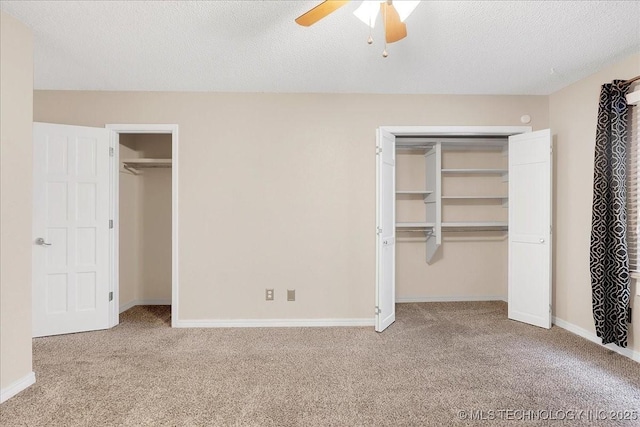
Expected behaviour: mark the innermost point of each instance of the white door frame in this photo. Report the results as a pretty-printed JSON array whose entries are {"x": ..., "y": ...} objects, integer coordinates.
[
  {"x": 117, "y": 129},
  {"x": 446, "y": 131},
  {"x": 456, "y": 130}
]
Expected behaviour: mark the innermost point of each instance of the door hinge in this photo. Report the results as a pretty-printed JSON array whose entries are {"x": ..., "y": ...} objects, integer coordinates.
[
  {"x": 111, "y": 152},
  {"x": 378, "y": 311},
  {"x": 111, "y": 296},
  {"x": 378, "y": 150},
  {"x": 378, "y": 230},
  {"x": 110, "y": 223}
]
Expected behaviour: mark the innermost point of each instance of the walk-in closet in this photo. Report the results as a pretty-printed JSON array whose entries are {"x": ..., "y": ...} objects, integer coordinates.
[{"x": 145, "y": 219}]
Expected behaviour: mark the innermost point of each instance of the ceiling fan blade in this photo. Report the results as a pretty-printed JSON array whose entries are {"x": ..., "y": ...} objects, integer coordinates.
[
  {"x": 320, "y": 11},
  {"x": 394, "y": 28}
]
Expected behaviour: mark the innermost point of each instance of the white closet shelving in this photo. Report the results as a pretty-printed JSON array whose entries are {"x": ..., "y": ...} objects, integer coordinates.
[
  {"x": 475, "y": 171},
  {"x": 432, "y": 226},
  {"x": 478, "y": 200},
  {"x": 433, "y": 202},
  {"x": 412, "y": 193},
  {"x": 423, "y": 192},
  {"x": 504, "y": 173},
  {"x": 477, "y": 224},
  {"x": 476, "y": 197},
  {"x": 433, "y": 197},
  {"x": 134, "y": 165},
  {"x": 415, "y": 224}
]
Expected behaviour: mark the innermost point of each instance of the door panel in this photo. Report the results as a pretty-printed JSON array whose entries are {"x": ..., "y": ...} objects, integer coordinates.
[
  {"x": 71, "y": 217},
  {"x": 386, "y": 230},
  {"x": 530, "y": 194}
]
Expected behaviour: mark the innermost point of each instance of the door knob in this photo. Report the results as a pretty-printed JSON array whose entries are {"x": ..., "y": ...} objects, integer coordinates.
[
  {"x": 541, "y": 240},
  {"x": 40, "y": 241}
]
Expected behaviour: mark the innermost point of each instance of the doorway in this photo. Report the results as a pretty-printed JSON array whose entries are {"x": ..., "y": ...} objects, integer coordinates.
[
  {"x": 76, "y": 223},
  {"x": 144, "y": 220},
  {"x": 145, "y": 208},
  {"x": 528, "y": 201}
]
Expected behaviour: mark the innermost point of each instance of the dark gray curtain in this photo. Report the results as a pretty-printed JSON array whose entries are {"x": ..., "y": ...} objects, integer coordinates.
[{"x": 609, "y": 257}]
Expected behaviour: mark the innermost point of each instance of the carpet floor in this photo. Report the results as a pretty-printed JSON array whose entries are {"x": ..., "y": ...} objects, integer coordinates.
[{"x": 439, "y": 364}]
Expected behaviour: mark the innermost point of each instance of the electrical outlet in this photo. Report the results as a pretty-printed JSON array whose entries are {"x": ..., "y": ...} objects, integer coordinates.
[
  {"x": 269, "y": 295},
  {"x": 291, "y": 294}
]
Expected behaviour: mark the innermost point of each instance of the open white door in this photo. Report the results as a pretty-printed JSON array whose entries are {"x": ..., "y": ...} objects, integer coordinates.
[
  {"x": 70, "y": 229},
  {"x": 385, "y": 230},
  {"x": 530, "y": 196}
]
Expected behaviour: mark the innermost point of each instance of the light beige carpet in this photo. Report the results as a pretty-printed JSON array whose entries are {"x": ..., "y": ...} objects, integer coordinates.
[{"x": 437, "y": 360}]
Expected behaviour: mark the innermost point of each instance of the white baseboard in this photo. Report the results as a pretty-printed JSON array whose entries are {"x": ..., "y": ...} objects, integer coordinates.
[
  {"x": 126, "y": 306},
  {"x": 627, "y": 352},
  {"x": 130, "y": 304},
  {"x": 452, "y": 299},
  {"x": 271, "y": 323},
  {"x": 17, "y": 386}
]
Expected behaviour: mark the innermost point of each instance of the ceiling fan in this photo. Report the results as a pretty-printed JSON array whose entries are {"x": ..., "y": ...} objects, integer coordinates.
[{"x": 393, "y": 15}]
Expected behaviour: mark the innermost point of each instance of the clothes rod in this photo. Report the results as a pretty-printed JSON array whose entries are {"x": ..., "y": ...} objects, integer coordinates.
[
  {"x": 408, "y": 147},
  {"x": 626, "y": 82},
  {"x": 473, "y": 230},
  {"x": 452, "y": 230}
]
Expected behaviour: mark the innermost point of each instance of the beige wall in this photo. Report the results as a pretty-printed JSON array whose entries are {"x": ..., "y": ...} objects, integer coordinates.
[
  {"x": 145, "y": 222},
  {"x": 16, "y": 107},
  {"x": 155, "y": 220},
  {"x": 573, "y": 115},
  {"x": 278, "y": 190},
  {"x": 129, "y": 227},
  {"x": 155, "y": 247}
]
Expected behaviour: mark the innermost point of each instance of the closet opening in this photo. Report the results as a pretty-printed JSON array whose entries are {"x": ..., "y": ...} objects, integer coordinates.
[
  {"x": 464, "y": 214},
  {"x": 145, "y": 211}
]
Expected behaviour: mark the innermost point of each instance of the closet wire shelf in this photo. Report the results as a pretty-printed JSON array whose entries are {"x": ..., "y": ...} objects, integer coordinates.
[
  {"x": 408, "y": 227},
  {"x": 134, "y": 165}
]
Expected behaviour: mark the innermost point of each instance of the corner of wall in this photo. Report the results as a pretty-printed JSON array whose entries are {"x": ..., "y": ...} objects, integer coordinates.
[
  {"x": 16, "y": 116},
  {"x": 572, "y": 118}
]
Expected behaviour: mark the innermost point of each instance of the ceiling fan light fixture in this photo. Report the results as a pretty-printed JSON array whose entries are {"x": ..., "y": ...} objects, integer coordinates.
[
  {"x": 405, "y": 7},
  {"x": 368, "y": 11},
  {"x": 393, "y": 12}
]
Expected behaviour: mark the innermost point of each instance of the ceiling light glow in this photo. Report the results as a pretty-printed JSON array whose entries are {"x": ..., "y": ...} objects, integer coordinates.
[
  {"x": 405, "y": 7},
  {"x": 368, "y": 11}
]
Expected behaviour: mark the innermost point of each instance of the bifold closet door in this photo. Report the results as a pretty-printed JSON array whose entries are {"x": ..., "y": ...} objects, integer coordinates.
[
  {"x": 530, "y": 195},
  {"x": 70, "y": 229},
  {"x": 385, "y": 313}
]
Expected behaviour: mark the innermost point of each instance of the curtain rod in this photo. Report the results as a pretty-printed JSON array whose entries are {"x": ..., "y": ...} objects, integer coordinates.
[{"x": 631, "y": 80}]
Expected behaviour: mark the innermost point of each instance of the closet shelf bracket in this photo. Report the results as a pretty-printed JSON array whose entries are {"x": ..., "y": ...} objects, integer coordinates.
[{"x": 130, "y": 169}]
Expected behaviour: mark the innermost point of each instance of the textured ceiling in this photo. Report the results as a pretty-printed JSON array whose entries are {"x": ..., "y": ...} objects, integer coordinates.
[{"x": 453, "y": 47}]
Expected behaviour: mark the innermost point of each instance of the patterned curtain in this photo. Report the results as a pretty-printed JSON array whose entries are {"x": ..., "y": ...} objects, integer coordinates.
[{"x": 609, "y": 257}]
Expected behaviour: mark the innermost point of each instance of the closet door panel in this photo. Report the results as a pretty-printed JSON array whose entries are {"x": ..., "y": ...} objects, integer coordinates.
[
  {"x": 530, "y": 195},
  {"x": 385, "y": 230},
  {"x": 71, "y": 190}
]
